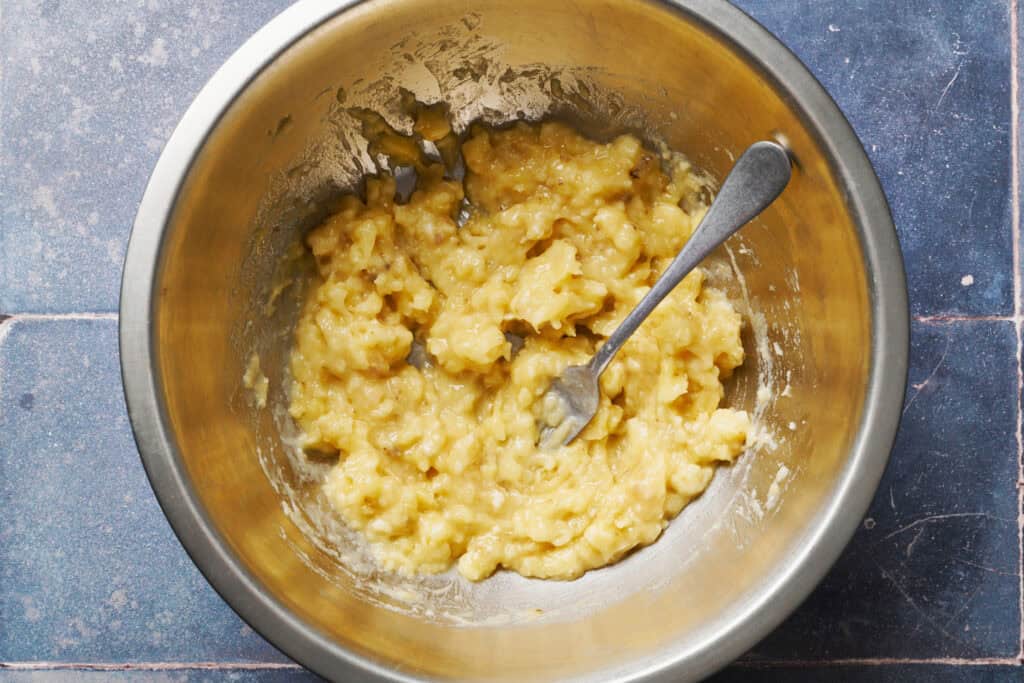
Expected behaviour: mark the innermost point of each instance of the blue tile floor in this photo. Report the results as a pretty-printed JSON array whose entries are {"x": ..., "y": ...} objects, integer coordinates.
[{"x": 93, "y": 584}]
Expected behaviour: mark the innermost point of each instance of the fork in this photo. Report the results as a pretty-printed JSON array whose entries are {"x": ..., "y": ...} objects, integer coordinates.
[{"x": 757, "y": 178}]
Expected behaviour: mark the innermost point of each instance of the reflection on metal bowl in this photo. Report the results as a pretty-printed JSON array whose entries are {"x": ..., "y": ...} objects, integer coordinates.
[{"x": 208, "y": 284}]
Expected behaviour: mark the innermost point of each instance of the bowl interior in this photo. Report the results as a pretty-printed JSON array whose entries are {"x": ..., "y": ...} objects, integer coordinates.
[{"x": 288, "y": 143}]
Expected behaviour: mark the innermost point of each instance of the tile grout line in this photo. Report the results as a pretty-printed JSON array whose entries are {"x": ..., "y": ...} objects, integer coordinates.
[
  {"x": 5, "y": 329},
  {"x": 15, "y": 317},
  {"x": 876, "y": 661},
  {"x": 148, "y": 666},
  {"x": 946, "y": 318},
  {"x": 291, "y": 666},
  {"x": 1015, "y": 190}
]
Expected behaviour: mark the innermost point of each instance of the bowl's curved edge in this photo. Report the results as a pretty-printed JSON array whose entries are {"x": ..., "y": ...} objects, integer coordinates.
[
  {"x": 890, "y": 336},
  {"x": 154, "y": 439},
  {"x": 297, "y": 639}
]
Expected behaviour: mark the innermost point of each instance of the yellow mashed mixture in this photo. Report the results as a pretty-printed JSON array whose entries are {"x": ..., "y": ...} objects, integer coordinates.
[{"x": 438, "y": 464}]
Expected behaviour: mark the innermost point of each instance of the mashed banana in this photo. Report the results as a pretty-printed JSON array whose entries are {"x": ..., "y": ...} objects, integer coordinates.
[{"x": 438, "y": 464}]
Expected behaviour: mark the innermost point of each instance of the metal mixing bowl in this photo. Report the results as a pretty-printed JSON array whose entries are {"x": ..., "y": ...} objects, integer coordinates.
[{"x": 269, "y": 140}]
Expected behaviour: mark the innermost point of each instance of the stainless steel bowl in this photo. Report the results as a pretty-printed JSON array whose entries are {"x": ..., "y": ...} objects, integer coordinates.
[{"x": 269, "y": 139}]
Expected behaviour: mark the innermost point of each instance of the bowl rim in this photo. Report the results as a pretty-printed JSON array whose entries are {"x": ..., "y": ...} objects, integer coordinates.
[{"x": 825, "y": 540}]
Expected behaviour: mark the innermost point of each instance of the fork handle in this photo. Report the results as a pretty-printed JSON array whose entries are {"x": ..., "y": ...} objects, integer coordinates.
[{"x": 757, "y": 178}]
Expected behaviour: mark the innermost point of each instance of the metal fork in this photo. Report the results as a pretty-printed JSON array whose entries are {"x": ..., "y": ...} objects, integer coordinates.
[{"x": 757, "y": 178}]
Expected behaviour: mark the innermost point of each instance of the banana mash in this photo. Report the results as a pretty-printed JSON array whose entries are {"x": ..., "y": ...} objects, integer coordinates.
[{"x": 424, "y": 348}]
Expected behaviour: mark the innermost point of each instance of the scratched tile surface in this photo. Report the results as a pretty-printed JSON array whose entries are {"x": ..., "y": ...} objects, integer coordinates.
[
  {"x": 90, "y": 571},
  {"x": 933, "y": 570},
  {"x": 89, "y": 568},
  {"x": 926, "y": 85}
]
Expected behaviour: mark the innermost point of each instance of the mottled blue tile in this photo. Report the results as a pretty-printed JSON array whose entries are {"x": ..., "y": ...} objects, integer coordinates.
[
  {"x": 194, "y": 675},
  {"x": 888, "y": 673},
  {"x": 89, "y": 568},
  {"x": 1019, "y": 189},
  {"x": 933, "y": 569},
  {"x": 89, "y": 95},
  {"x": 926, "y": 85}
]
